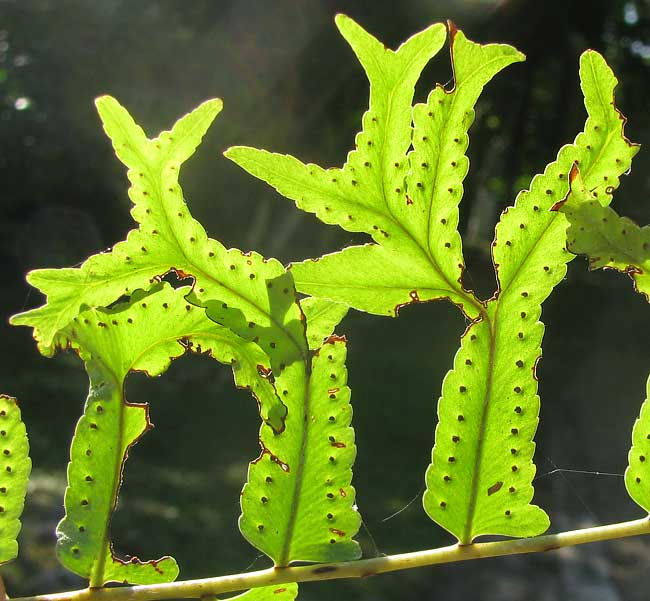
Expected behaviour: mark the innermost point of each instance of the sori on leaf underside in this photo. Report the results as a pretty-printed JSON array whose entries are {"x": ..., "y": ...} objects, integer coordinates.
[{"x": 401, "y": 185}]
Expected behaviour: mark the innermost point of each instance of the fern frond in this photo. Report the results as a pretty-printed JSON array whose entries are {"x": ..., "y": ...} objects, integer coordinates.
[
  {"x": 15, "y": 468},
  {"x": 480, "y": 478},
  {"x": 407, "y": 201}
]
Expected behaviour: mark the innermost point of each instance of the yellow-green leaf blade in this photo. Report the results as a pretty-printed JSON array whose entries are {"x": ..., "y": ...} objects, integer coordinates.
[
  {"x": 480, "y": 478},
  {"x": 298, "y": 503},
  {"x": 169, "y": 239},
  {"x": 15, "y": 468},
  {"x": 607, "y": 239},
  {"x": 145, "y": 334},
  {"x": 637, "y": 475},
  {"x": 374, "y": 279}
]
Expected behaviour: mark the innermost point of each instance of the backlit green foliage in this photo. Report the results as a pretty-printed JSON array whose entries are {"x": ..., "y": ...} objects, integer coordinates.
[
  {"x": 15, "y": 468},
  {"x": 401, "y": 185}
]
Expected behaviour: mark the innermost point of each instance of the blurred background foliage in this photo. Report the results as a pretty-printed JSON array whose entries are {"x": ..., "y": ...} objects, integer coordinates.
[{"x": 291, "y": 84}]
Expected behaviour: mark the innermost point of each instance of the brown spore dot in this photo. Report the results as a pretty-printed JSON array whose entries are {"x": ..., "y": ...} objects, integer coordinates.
[
  {"x": 331, "y": 459},
  {"x": 443, "y": 504},
  {"x": 642, "y": 458},
  {"x": 512, "y": 489},
  {"x": 331, "y": 418},
  {"x": 513, "y": 451},
  {"x": 514, "y": 468},
  {"x": 451, "y": 459},
  {"x": 517, "y": 389},
  {"x": 332, "y": 541},
  {"x": 260, "y": 527},
  {"x": 546, "y": 268},
  {"x": 517, "y": 409},
  {"x": 472, "y": 337},
  {"x": 330, "y": 495},
  {"x": 535, "y": 208},
  {"x": 523, "y": 314},
  {"x": 514, "y": 431},
  {"x": 638, "y": 480},
  {"x": 251, "y": 276},
  {"x": 82, "y": 529},
  {"x": 507, "y": 512},
  {"x": 84, "y": 502},
  {"x": 3, "y": 490},
  {"x": 468, "y": 361},
  {"x": 264, "y": 499},
  {"x": 520, "y": 334},
  {"x": 129, "y": 320},
  {"x": 461, "y": 418},
  {"x": 524, "y": 294},
  {"x": 268, "y": 479},
  {"x": 522, "y": 226},
  {"x": 519, "y": 363},
  {"x": 330, "y": 516},
  {"x": 93, "y": 426},
  {"x": 443, "y": 221},
  {"x": 88, "y": 452},
  {"x": 455, "y": 438},
  {"x": 89, "y": 478},
  {"x": 462, "y": 389}
]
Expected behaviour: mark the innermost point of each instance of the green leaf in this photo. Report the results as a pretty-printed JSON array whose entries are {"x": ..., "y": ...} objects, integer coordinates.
[
  {"x": 240, "y": 288},
  {"x": 278, "y": 592},
  {"x": 608, "y": 240},
  {"x": 637, "y": 475},
  {"x": 298, "y": 503},
  {"x": 142, "y": 335},
  {"x": 406, "y": 200},
  {"x": 480, "y": 478},
  {"x": 321, "y": 316},
  {"x": 14, "y": 474}
]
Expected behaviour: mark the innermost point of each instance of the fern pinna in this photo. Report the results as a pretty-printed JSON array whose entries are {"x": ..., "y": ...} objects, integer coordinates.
[{"x": 275, "y": 326}]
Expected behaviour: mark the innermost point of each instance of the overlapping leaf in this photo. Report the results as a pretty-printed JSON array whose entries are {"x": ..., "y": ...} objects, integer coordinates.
[
  {"x": 15, "y": 468},
  {"x": 637, "y": 475},
  {"x": 609, "y": 240},
  {"x": 480, "y": 479},
  {"x": 143, "y": 335},
  {"x": 407, "y": 200}
]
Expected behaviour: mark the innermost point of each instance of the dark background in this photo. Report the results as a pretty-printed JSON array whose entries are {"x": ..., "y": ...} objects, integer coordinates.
[{"x": 290, "y": 83}]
